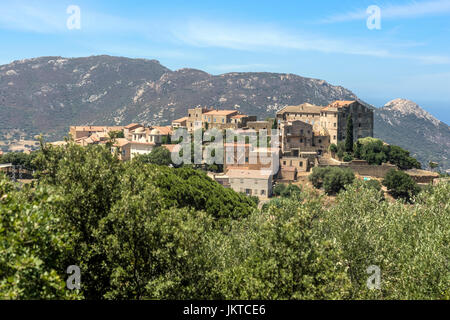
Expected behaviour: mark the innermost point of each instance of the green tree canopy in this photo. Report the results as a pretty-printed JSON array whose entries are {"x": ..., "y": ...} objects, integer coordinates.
[
  {"x": 400, "y": 185},
  {"x": 349, "y": 134},
  {"x": 332, "y": 179}
]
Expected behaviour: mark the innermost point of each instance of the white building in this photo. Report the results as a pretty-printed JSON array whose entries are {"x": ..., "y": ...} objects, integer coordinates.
[{"x": 251, "y": 182}]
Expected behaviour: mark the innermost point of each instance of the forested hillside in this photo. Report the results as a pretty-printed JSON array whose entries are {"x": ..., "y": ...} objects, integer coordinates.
[{"x": 142, "y": 231}]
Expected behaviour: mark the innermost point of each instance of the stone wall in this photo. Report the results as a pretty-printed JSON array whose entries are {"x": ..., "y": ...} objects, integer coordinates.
[
  {"x": 362, "y": 168},
  {"x": 377, "y": 171}
]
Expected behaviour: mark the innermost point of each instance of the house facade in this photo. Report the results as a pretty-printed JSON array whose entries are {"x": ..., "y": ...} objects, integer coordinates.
[{"x": 251, "y": 182}]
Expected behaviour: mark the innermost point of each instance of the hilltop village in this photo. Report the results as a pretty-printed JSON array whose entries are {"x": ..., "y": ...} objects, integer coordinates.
[{"x": 308, "y": 137}]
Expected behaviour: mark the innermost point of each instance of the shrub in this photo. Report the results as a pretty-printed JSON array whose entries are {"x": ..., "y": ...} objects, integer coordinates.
[
  {"x": 400, "y": 185},
  {"x": 347, "y": 157},
  {"x": 159, "y": 155},
  {"x": 409, "y": 243},
  {"x": 375, "y": 184},
  {"x": 401, "y": 158},
  {"x": 349, "y": 134},
  {"x": 291, "y": 190},
  {"x": 286, "y": 191},
  {"x": 333, "y": 148},
  {"x": 332, "y": 179},
  {"x": 374, "y": 151},
  {"x": 278, "y": 189}
]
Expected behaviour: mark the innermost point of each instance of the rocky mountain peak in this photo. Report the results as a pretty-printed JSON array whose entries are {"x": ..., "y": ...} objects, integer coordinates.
[{"x": 407, "y": 107}]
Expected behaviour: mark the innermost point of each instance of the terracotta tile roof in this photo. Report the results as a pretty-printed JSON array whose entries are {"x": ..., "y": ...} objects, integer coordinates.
[
  {"x": 220, "y": 112},
  {"x": 305, "y": 108},
  {"x": 342, "y": 103},
  {"x": 181, "y": 119},
  {"x": 96, "y": 128},
  {"x": 140, "y": 130},
  {"x": 164, "y": 130},
  {"x": 133, "y": 126},
  {"x": 338, "y": 104},
  {"x": 252, "y": 174},
  {"x": 239, "y": 116},
  {"x": 120, "y": 142}
]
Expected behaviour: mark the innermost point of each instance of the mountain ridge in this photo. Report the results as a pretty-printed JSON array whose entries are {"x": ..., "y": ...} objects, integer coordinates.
[{"x": 48, "y": 94}]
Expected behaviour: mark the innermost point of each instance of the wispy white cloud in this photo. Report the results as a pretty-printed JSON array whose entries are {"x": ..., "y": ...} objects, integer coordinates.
[
  {"x": 203, "y": 33},
  {"x": 263, "y": 37},
  {"x": 49, "y": 18},
  {"x": 22, "y": 16},
  {"x": 409, "y": 10},
  {"x": 259, "y": 37}
]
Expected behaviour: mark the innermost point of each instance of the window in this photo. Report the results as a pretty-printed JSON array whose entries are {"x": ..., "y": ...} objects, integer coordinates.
[
  {"x": 301, "y": 163},
  {"x": 223, "y": 120},
  {"x": 214, "y": 119},
  {"x": 263, "y": 192},
  {"x": 284, "y": 163},
  {"x": 334, "y": 137},
  {"x": 334, "y": 124},
  {"x": 335, "y": 115},
  {"x": 320, "y": 140},
  {"x": 359, "y": 125}
]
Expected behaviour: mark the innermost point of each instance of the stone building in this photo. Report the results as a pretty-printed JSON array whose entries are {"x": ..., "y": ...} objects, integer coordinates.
[
  {"x": 78, "y": 132},
  {"x": 180, "y": 123},
  {"x": 260, "y": 125},
  {"x": 334, "y": 117},
  {"x": 251, "y": 182},
  {"x": 200, "y": 117},
  {"x": 296, "y": 136},
  {"x": 331, "y": 120}
]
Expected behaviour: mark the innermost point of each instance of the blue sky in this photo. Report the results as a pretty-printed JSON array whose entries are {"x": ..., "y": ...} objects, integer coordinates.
[{"x": 409, "y": 57}]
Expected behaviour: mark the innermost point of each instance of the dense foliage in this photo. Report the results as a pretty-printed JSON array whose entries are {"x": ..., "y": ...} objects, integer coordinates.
[
  {"x": 331, "y": 179},
  {"x": 284, "y": 190},
  {"x": 159, "y": 155},
  {"x": 374, "y": 151},
  {"x": 349, "y": 134},
  {"x": 19, "y": 159},
  {"x": 143, "y": 231},
  {"x": 400, "y": 185}
]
